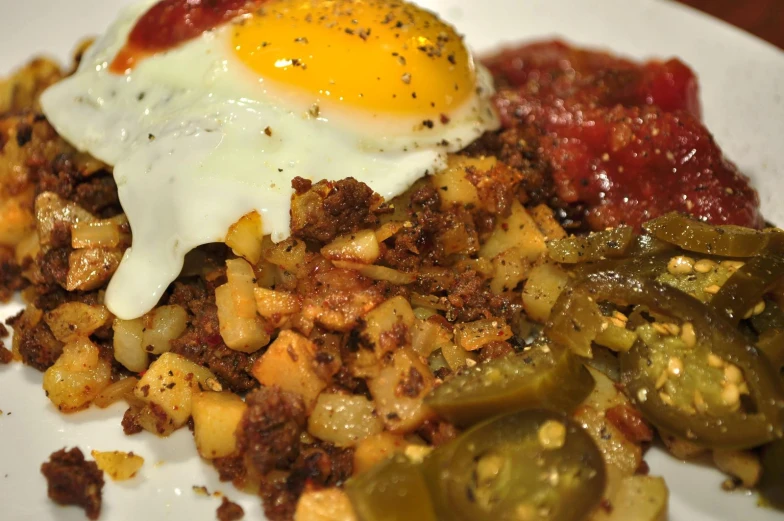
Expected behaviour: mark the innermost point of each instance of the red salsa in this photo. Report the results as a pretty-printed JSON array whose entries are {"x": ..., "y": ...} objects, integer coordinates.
[
  {"x": 625, "y": 140},
  {"x": 169, "y": 23}
]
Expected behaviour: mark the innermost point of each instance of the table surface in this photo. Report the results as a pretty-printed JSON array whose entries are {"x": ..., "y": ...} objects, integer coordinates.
[{"x": 763, "y": 18}]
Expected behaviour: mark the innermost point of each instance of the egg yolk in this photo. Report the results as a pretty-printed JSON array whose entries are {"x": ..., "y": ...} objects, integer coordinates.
[{"x": 375, "y": 55}]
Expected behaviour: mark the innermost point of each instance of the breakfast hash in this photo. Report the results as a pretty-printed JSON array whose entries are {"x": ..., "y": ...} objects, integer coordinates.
[{"x": 383, "y": 281}]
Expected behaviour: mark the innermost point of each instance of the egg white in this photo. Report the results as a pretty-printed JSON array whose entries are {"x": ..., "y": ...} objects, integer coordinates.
[{"x": 197, "y": 142}]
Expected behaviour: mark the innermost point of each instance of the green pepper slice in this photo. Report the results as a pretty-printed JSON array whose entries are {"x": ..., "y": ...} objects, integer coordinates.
[
  {"x": 713, "y": 334},
  {"x": 771, "y": 484},
  {"x": 749, "y": 284},
  {"x": 394, "y": 490},
  {"x": 541, "y": 377},
  {"x": 700, "y": 237},
  {"x": 533, "y": 464},
  {"x": 595, "y": 246}
]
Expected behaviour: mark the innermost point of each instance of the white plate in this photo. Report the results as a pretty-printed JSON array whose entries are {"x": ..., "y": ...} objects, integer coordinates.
[{"x": 742, "y": 83}]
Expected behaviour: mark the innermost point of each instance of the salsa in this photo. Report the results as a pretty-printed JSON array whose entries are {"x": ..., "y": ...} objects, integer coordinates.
[
  {"x": 623, "y": 139},
  {"x": 169, "y": 23}
]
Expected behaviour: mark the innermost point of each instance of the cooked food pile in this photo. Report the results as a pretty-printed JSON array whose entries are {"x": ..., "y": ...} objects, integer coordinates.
[
  {"x": 297, "y": 229},
  {"x": 209, "y": 129}
]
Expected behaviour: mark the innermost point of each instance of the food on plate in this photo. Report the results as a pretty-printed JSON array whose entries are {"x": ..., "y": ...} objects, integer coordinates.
[
  {"x": 211, "y": 128},
  {"x": 72, "y": 480},
  {"x": 623, "y": 141},
  {"x": 376, "y": 278},
  {"x": 120, "y": 466},
  {"x": 229, "y": 511}
]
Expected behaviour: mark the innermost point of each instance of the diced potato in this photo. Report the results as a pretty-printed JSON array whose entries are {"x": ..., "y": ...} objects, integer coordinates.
[
  {"x": 455, "y": 356},
  {"x": 288, "y": 255},
  {"x": 516, "y": 230},
  {"x": 742, "y": 464},
  {"x": 682, "y": 449},
  {"x": 361, "y": 247},
  {"x": 387, "y": 230},
  {"x": 245, "y": 237},
  {"x": 115, "y": 392},
  {"x": 167, "y": 388},
  {"x": 74, "y": 319},
  {"x": 128, "y": 347},
  {"x": 77, "y": 377},
  {"x": 429, "y": 335},
  {"x": 398, "y": 391},
  {"x": 509, "y": 269},
  {"x": 103, "y": 233},
  {"x": 215, "y": 420},
  {"x": 288, "y": 364},
  {"x": 91, "y": 268},
  {"x": 329, "y": 504},
  {"x": 460, "y": 238},
  {"x": 375, "y": 272},
  {"x": 475, "y": 335},
  {"x": 52, "y": 211},
  {"x": 240, "y": 326},
  {"x": 376, "y": 448},
  {"x": 343, "y": 419},
  {"x": 618, "y": 451},
  {"x": 429, "y": 302},
  {"x": 453, "y": 186},
  {"x": 544, "y": 286},
  {"x": 162, "y": 325},
  {"x": 638, "y": 498},
  {"x": 389, "y": 324},
  {"x": 272, "y": 304},
  {"x": 544, "y": 219},
  {"x": 119, "y": 465}
]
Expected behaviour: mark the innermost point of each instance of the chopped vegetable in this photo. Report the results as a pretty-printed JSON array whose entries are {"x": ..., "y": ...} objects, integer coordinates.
[{"x": 541, "y": 377}]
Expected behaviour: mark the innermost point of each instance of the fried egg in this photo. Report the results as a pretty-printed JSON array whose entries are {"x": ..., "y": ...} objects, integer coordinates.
[{"x": 201, "y": 134}]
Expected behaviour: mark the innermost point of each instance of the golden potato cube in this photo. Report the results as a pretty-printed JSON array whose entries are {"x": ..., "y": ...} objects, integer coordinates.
[
  {"x": 742, "y": 464},
  {"x": 475, "y": 335},
  {"x": 453, "y": 186},
  {"x": 361, "y": 246},
  {"x": 245, "y": 237},
  {"x": 119, "y": 465},
  {"x": 103, "y": 233},
  {"x": 329, "y": 504},
  {"x": 637, "y": 498},
  {"x": 128, "y": 347},
  {"x": 288, "y": 364},
  {"x": 287, "y": 255},
  {"x": 542, "y": 289},
  {"x": 343, "y": 419},
  {"x": 162, "y": 325},
  {"x": 398, "y": 391},
  {"x": 240, "y": 326},
  {"x": 387, "y": 323},
  {"x": 544, "y": 218},
  {"x": 509, "y": 269},
  {"x": 72, "y": 320},
  {"x": 271, "y": 303},
  {"x": 518, "y": 229},
  {"x": 91, "y": 268},
  {"x": 215, "y": 420},
  {"x": 77, "y": 377},
  {"x": 372, "y": 450},
  {"x": 168, "y": 386}
]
